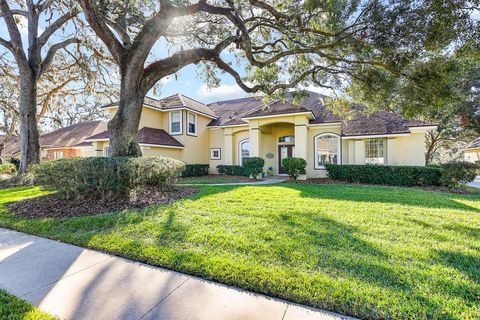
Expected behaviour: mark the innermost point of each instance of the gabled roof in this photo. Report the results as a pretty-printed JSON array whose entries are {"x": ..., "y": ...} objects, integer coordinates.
[
  {"x": 176, "y": 101},
  {"x": 231, "y": 112},
  {"x": 474, "y": 144},
  {"x": 146, "y": 135},
  {"x": 72, "y": 135},
  {"x": 66, "y": 137}
]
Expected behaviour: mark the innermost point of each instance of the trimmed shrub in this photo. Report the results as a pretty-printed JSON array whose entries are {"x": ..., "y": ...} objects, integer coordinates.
[
  {"x": 8, "y": 168},
  {"x": 253, "y": 166},
  {"x": 195, "y": 170},
  {"x": 294, "y": 167},
  {"x": 456, "y": 173},
  {"x": 386, "y": 175},
  {"x": 231, "y": 170},
  {"x": 101, "y": 177}
]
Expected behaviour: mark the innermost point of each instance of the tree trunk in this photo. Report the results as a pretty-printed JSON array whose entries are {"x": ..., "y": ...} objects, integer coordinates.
[
  {"x": 123, "y": 127},
  {"x": 30, "y": 147}
]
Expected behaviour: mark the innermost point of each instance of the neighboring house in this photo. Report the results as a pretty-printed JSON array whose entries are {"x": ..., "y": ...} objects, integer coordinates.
[
  {"x": 227, "y": 132},
  {"x": 472, "y": 152},
  {"x": 66, "y": 142}
]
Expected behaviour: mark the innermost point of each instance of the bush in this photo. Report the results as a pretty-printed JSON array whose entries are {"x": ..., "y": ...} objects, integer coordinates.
[
  {"x": 101, "y": 177},
  {"x": 386, "y": 175},
  {"x": 458, "y": 172},
  {"x": 231, "y": 170},
  {"x": 15, "y": 162},
  {"x": 294, "y": 167},
  {"x": 195, "y": 170},
  {"x": 253, "y": 166},
  {"x": 8, "y": 168}
]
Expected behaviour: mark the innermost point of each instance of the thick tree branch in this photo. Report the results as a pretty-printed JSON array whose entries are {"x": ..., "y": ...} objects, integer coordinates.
[
  {"x": 95, "y": 19},
  {"x": 50, "y": 30},
  {"x": 15, "y": 37},
  {"x": 53, "y": 50}
]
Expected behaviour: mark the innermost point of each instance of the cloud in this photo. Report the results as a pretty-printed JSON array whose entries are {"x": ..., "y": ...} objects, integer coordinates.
[{"x": 222, "y": 92}]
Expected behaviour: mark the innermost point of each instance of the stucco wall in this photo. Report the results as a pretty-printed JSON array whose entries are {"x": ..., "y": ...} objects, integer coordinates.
[{"x": 472, "y": 155}]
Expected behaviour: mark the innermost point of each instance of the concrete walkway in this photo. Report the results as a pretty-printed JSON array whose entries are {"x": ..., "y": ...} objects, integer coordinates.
[{"x": 76, "y": 283}]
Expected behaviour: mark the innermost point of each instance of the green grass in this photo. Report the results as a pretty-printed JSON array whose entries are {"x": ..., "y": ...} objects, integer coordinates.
[
  {"x": 12, "y": 308},
  {"x": 211, "y": 179},
  {"x": 370, "y": 252}
]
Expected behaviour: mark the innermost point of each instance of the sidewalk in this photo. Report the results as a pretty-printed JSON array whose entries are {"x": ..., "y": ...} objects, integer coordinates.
[{"x": 76, "y": 283}]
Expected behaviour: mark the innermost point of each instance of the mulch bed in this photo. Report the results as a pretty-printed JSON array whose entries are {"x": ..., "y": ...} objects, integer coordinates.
[
  {"x": 53, "y": 206},
  {"x": 215, "y": 178},
  {"x": 426, "y": 188}
]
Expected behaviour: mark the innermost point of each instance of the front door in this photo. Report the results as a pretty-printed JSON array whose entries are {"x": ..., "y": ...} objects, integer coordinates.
[{"x": 284, "y": 151}]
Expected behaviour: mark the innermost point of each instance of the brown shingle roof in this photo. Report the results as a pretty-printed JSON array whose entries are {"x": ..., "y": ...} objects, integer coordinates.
[
  {"x": 147, "y": 135},
  {"x": 176, "y": 101},
  {"x": 378, "y": 124},
  {"x": 67, "y": 137},
  {"x": 72, "y": 135},
  {"x": 232, "y": 112},
  {"x": 11, "y": 147}
]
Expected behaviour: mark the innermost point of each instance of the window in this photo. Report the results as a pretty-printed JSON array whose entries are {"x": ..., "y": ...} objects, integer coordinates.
[
  {"x": 327, "y": 150},
  {"x": 243, "y": 151},
  {"x": 215, "y": 154},
  {"x": 375, "y": 151},
  {"x": 286, "y": 139},
  {"x": 107, "y": 151},
  {"x": 58, "y": 154},
  {"x": 192, "y": 123},
  {"x": 176, "y": 122}
]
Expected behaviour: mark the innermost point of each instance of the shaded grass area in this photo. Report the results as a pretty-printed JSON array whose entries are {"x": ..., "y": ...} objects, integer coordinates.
[
  {"x": 370, "y": 252},
  {"x": 12, "y": 308},
  {"x": 212, "y": 179}
]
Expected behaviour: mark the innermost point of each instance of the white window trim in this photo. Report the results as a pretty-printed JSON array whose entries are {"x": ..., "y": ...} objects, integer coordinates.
[
  {"x": 188, "y": 124},
  {"x": 170, "y": 115},
  {"x": 59, "y": 153},
  {"x": 384, "y": 144},
  {"x": 315, "y": 151},
  {"x": 240, "y": 158},
  {"x": 212, "y": 157}
]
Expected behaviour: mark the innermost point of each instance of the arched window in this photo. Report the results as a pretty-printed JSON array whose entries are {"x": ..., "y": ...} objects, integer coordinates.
[
  {"x": 243, "y": 150},
  {"x": 327, "y": 150}
]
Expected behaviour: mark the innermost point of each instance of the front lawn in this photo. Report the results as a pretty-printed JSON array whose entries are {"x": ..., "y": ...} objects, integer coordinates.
[
  {"x": 214, "y": 179},
  {"x": 12, "y": 308},
  {"x": 370, "y": 252}
]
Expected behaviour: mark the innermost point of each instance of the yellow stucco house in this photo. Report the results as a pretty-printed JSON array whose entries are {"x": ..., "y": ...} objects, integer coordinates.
[
  {"x": 472, "y": 152},
  {"x": 227, "y": 132}
]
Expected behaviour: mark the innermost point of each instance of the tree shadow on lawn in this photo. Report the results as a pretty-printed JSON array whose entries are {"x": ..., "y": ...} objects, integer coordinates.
[
  {"x": 336, "y": 248},
  {"x": 385, "y": 194}
]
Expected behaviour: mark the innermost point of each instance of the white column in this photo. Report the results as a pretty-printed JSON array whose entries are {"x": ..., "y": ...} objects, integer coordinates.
[
  {"x": 255, "y": 139},
  {"x": 391, "y": 151},
  {"x": 228, "y": 146},
  {"x": 359, "y": 152},
  {"x": 351, "y": 152},
  {"x": 301, "y": 144}
]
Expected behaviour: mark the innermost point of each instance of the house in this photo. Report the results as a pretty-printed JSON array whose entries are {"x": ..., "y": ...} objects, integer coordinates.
[
  {"x": 67, "y": 142},
  {"x": 227, "y": 132},
  {"x": 472, "y": 152}
]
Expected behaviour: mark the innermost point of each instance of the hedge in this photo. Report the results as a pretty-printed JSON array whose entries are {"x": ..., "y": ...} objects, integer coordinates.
[
  {"x": 195, "y": 170},
  {"x": 231, "y": 170},
  {"x": 103, "y": 176},
  {"x": 456, "y": 173},
  {"x": 8, "y": 168},
  {"x": 386, "y": 175}
]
